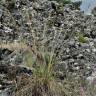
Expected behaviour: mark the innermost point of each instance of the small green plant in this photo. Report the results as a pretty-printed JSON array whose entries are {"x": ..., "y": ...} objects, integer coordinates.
[
  {"x": 64, "y": 1},
  {"x": 81, "y": 38}
]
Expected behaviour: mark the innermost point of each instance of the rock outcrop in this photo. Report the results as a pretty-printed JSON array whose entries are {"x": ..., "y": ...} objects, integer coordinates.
[{"x": 65, "y": 29}]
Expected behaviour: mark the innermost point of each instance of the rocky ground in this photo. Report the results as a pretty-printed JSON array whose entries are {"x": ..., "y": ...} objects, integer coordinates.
[{"x": 62, "y": 28}]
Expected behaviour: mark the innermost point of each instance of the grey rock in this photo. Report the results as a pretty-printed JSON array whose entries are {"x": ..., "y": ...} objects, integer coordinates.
[
  {"x": 1, "y": 13},
  {"x": 55, "y": 28}
]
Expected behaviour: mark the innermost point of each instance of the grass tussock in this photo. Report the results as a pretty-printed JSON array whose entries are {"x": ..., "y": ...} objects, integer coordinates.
[{"x": 43, "y": 81}]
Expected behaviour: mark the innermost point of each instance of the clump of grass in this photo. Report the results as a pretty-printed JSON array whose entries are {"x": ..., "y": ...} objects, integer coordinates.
[
  {"x": 43, "y": 75},
  {"x": 43, "y": 81}
]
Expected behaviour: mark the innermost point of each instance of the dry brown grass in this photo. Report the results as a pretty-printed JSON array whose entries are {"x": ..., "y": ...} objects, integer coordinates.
[
  {"x": 39, "y": 88},
  {"x": 14, "y": 46}
]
